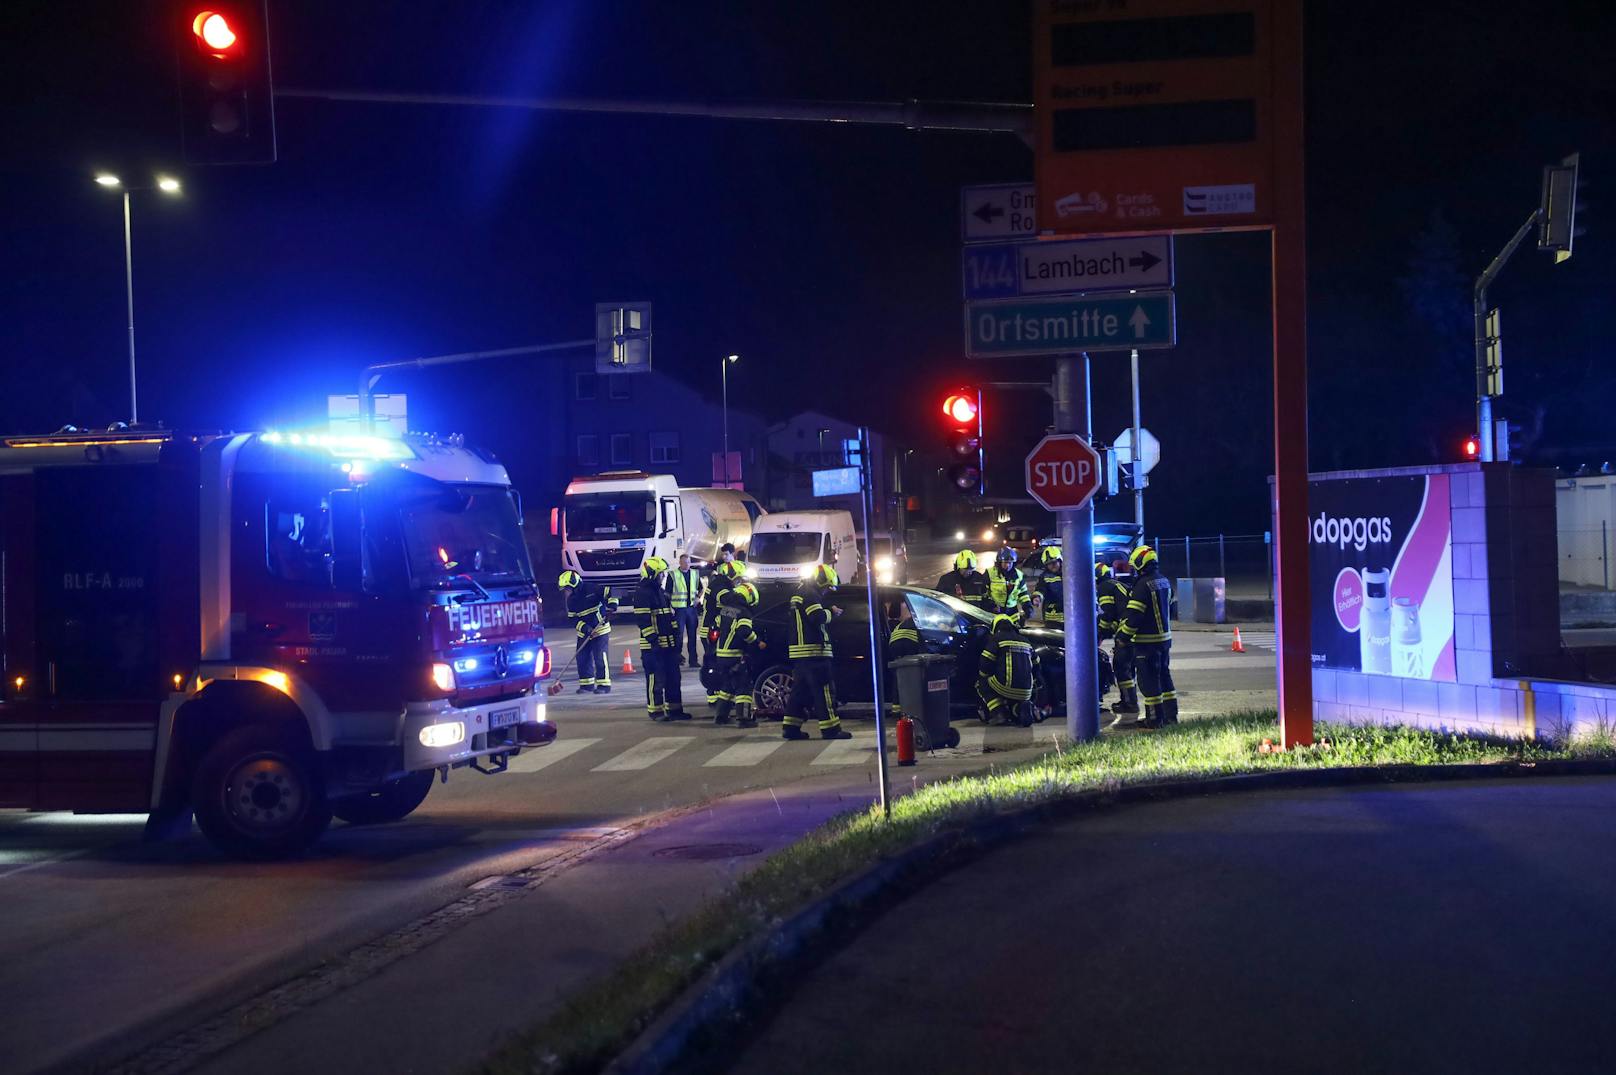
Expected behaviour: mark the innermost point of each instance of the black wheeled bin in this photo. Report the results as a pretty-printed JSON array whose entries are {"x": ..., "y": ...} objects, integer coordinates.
[{"x": 923, "y": 695}]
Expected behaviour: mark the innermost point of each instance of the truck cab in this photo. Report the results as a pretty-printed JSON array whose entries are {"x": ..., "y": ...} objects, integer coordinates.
[
  {"x": 265, "y": 630},
  {"x": 610, "y": 523}
]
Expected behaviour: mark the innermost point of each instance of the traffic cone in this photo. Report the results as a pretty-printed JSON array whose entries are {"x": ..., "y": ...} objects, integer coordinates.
[
  {"x": 628, "y": 664},
  {"x": 1238, "y": 647}
]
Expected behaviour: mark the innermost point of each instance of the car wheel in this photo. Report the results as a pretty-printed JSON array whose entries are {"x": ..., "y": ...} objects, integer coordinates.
[
  {"x": 393, "y": 801},
  {"x": 953, "y": 739},
  {"x": 257, "y": 793},
  {"x": 772, "y": 691}
]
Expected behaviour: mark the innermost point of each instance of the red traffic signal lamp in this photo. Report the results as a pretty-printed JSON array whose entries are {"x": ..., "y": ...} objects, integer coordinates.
[
  {"x": 1472, "y": 447},
  {"x": 963, "y": 409},
  {"x": 227, "y": 98}
]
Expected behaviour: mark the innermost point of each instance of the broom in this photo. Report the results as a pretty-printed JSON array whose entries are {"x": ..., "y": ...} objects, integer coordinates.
[{"x": 556, "y": 686}]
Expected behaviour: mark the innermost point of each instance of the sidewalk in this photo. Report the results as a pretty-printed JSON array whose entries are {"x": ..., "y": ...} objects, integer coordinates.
[{"x": 1401, "y": 928}]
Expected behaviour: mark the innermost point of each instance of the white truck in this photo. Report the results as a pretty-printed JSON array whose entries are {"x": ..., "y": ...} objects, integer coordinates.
[{"x": 609, "y": 523}]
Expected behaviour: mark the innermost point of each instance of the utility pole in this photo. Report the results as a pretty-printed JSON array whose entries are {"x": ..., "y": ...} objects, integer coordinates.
[
  {"x": 1136, "y": 470},
  {"x": 1072, "y": 415}
]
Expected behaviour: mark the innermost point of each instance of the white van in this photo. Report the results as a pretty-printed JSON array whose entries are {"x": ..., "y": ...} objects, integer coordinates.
[
  {"x": 788, "y": 545},
  {"x": 609, "y": 523}
]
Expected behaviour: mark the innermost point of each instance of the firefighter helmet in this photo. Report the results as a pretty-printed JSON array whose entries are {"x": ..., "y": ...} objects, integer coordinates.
[
  {"x": 825, "y": 576},
  {"x": 1101, "y": 570},
  {"x": 731, "y": 569},
  {"x": 654, "y": 566},
  {"x": 569, "y": 579},
  {"x": 1002, "y": 622},
  {"x": 965, "y": 561},
  {"x": 1049, "y": 554},
  {"x": 1007, "y": 555},
  {"x": 747, "y": 593},
  {"x": 1141, "y": 557}
]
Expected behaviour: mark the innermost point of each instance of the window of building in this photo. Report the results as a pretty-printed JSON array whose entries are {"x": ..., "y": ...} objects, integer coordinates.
[
  {"x": 584, "y": 386},
  {"x": 622, "y": 449},
  {"x": 664, "y": 447},
  {"x": 617, "y": 386},
  {"x": 588, "y": 450}
]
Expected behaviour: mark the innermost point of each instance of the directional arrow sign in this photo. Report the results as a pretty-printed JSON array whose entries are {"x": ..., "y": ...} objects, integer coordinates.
[
  {"x": 1061, "y": 325},
  {"x": 997, "y": 212},
  {"x": 1044, "y": 268}
]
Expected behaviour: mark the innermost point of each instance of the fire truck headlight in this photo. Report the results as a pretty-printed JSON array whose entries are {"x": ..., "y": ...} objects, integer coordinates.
[
  {"x": 443, "y": 677},
  {"x": 448, "y": 734}
]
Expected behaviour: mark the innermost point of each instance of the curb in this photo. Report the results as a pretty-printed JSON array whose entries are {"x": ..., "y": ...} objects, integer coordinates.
[{"x": 720, "y": 1001}]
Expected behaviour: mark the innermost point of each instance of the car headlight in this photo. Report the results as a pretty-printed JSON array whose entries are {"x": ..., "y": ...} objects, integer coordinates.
[
  {"x": 987, "y": 535},
  {"x": 806, "y": 571},
  {"x": 883, "y": 563},
  {"x": 959, "y": 535}
]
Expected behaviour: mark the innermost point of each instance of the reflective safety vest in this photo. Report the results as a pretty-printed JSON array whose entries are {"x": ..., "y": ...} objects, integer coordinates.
[
  {"x": 1007, "y": 590},
  {"x": 684, "y": 589},
  {"x": 810, "y": 626},
  {"x": 1053, "y": 589}
]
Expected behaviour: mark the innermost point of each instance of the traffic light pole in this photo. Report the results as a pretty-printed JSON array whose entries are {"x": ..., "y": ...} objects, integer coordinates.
[
  {"x": 1488, "y": 383},
  {"x": 1077, "y": 540},
  {"x": 1136, "y": 471},
  {"x": 373, "y": 373}
]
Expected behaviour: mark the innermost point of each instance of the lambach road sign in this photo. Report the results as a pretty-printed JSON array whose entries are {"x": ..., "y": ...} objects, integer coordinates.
[
  {"x": 1066, "y": 323},
  {"x": 1004, "y": 270},
  {"x": 1063, "y": 472}
]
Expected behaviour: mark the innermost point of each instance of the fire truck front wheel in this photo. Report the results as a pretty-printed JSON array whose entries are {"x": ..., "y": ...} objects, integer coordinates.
[
  {"x": 391, "y": 802},
  {"x": 257, "y": 793}
]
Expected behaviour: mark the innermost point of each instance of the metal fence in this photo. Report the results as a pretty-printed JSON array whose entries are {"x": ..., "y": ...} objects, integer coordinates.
[
  {"x": 1244, "y": 561},
  {"x": 1585, "y": 556}
]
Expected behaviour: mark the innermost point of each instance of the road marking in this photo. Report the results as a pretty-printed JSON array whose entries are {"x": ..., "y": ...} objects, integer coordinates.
[
  {"x": 744, "y": 754},
  {"x": 1231, "y": 662},
  {"x": 854, "y": 751},
  {"x": 531, "y": 761},
  {"x": 646, "y": 754}
]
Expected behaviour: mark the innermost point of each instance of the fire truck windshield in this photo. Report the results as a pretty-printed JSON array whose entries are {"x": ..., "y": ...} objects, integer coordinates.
[
  {"x": 602, "y": 516},
  {"x": 463, "y": 530}
]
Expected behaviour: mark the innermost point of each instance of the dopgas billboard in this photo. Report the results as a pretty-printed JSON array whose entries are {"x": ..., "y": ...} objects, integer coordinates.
[{"x": 1380, "y": 559}]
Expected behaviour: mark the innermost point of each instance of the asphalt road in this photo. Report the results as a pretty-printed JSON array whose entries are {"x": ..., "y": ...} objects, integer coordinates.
[
  {"x": 1457, "y": 927},
  {"x": 106, "y": 939}
]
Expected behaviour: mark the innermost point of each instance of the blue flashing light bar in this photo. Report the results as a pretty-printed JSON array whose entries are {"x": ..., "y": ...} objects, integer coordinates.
[{"x": 344, "y": 445}]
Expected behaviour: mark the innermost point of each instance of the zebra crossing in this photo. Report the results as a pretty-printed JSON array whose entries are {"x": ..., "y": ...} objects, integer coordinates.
[{"x": 595, "y": 754}]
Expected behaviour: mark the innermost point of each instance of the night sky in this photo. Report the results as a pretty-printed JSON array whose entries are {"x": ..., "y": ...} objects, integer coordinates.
[{"x": 827, "y": 256}]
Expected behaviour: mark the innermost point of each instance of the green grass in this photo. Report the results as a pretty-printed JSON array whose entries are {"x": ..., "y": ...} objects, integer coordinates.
[{"x": 603, "y": 1018}]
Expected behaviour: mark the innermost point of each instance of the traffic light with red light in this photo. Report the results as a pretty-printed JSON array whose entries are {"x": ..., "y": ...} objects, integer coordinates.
[
  {"x": 1472, "y": 447},
  {"x": 963, "y": 410},
  {"x": 227, "y": 98}
]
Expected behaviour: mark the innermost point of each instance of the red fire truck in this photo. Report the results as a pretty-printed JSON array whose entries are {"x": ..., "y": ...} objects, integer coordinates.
[{"x": 262, "y": 629}]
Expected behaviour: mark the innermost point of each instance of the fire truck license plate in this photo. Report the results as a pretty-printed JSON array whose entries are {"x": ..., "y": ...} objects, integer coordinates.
[{"x": 501, "y": 718}]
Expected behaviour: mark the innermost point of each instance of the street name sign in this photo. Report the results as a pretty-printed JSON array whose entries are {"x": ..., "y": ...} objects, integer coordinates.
[
  {"x": 1004, "y": 271},
  {"x": 1155, "y": 115},
  {"x": 995, "y": 212},
  {"x": 1149, "y": 449},
  {"x": 1063, "y": 472},
  {"x": 1068, "y": 323}
]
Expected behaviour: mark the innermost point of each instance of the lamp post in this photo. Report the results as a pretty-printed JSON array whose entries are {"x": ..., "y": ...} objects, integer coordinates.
[
  {"x": 724, "y": 376},
  {"x": 168, "y": 185}
]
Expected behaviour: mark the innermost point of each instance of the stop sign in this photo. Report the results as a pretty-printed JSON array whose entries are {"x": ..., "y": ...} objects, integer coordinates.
[{"x": 1063, "y": 472}]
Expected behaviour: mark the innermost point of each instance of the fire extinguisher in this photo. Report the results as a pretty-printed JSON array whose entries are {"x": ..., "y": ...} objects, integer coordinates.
[{"x": 906, "y": 741}]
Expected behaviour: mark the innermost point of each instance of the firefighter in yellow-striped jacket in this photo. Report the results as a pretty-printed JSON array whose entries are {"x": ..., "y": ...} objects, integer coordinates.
[
  {"x": 590, "y": 607},
  {"x": 1113, "y": 598},
  {"x": 809, "y": 650},
  {"x": 738, "y": 640},
  {"x": 659, "y": 643},
  {"x": 1004, "y": 677},
  {"x": 1147, "y": 627},
  {"x": 724, "y": 576}
]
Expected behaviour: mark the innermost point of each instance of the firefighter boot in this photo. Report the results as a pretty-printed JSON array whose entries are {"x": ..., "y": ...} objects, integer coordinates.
[
  {"x": 833, "y": 731},
  {"x": 722, "y": 716},
  {"x": 1168, "y": 711},
  {"x": 1127, "y": 702},
  {"x": 743, "y": 715},
  {"x": 675, "y": 714},
  {"x": 791, "y": 728}
]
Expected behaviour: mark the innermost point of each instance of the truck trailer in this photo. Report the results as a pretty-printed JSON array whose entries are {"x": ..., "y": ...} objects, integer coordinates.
[{"x": 263, "y": 630}]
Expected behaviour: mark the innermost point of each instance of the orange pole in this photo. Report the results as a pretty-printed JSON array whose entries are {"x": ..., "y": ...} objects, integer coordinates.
[{"x": 1289, "y": 246}]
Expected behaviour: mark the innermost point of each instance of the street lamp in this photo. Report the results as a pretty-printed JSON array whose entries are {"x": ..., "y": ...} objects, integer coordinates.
[
  {"x": 168, "y": 185},
  {"x": 724, "y": 374}
]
